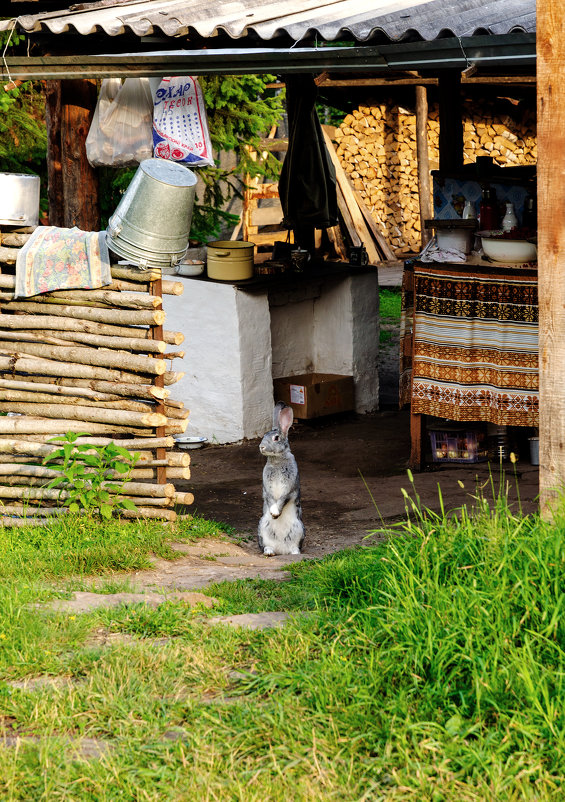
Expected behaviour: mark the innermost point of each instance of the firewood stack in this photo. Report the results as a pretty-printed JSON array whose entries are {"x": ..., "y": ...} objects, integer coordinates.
[
  {"x": 376, "y": 146},
  {"x": 95, "y": 362}
]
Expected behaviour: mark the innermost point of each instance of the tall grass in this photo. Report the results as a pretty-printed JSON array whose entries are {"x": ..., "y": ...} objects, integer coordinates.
[{"x": 430, "y": 667}]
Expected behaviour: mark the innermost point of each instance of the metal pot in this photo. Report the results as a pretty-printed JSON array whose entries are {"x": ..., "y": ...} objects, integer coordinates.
[
  {"x": 230, "y": 261},
  {"x": 151, "y": 224},
  {"x": 19, "y": 199}
]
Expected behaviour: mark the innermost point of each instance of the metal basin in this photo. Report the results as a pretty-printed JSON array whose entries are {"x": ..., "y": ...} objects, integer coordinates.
[{"x": 19, "y": 199}]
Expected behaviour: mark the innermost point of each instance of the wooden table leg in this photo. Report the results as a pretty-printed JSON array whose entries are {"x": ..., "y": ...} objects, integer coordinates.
[{"x": 416, "y": 460}]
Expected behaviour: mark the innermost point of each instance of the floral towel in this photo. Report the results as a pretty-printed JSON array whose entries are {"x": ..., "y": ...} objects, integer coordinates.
[{"x": 62, "y": 259}]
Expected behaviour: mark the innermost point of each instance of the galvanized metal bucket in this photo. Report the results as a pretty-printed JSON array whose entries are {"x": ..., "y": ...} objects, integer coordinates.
[{"x": 151, "y": 224}]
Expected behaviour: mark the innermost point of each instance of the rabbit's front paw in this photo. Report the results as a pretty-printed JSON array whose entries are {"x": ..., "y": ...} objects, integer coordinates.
[
  {"x": 268, "y": 552},
  {"x": 274, "y": 510}
]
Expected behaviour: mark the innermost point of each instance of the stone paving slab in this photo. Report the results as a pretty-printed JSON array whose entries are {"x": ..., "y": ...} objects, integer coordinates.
[
  {"x": 252, "y": 620},
  {"x": 84, "y": 748},
  {"x": 82, "y": 601}
]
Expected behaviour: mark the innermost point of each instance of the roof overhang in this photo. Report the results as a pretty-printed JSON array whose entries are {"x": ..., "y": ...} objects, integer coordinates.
[{"x": 516, "y": 50}]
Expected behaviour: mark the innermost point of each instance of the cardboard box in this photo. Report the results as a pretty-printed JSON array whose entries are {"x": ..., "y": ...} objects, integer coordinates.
[{"x": 312, "y": 395}]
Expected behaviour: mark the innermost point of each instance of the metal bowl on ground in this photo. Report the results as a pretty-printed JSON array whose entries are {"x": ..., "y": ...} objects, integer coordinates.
[
  {"x": 185, "y": 441},
  {"x": 502, "y": 249}
]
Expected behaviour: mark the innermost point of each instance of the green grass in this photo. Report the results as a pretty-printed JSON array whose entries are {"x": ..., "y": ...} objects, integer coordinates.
[
  {"x": 390, "y": 304},
  {"x": 430, "y": 667},
  {"x": 389, "y": 313}
]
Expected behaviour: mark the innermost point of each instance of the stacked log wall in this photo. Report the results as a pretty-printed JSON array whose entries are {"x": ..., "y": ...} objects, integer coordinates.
[
  {"x": 95, "y": 362},
  {"x": 376, "y": 146}
]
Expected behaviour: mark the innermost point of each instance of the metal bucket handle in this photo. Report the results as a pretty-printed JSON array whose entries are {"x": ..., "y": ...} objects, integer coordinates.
[{"x": 221, "y": 254}]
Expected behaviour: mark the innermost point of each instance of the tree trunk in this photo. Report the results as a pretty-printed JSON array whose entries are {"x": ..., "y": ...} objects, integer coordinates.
[
  {"x": 54, "y": 160},
  {"x": 122, "y": 388},
  {"x": 103, "y": 358},
  {"x": 92, "y": 414},
  {"x": 46, "y": 321},
  {"x": 80, "y": 180},
  {"x": 131, "y": 317}
]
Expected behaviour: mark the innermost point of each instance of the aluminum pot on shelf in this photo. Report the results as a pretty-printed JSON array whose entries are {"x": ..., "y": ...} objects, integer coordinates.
[{"x": 19, "y": 199}]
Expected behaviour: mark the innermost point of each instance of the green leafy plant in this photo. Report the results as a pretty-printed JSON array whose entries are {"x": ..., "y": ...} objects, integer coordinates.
[{"x": 89, "y": 475}]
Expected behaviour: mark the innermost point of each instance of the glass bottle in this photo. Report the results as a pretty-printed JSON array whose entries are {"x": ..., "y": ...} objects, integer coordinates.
[
  {"x": 469, "y": 212},
  {"x": 530, "y": 219},
  {"x": 488, "y": 214}
]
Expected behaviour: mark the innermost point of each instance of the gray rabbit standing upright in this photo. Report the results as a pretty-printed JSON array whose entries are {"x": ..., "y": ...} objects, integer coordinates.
[{"x": 281, "y": 530}]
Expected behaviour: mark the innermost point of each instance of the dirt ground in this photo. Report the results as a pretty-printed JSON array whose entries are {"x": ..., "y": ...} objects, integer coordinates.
[{"x": 353, "y": 469}]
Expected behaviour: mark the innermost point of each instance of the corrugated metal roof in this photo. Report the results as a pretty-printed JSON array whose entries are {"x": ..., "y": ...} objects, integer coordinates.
[{"x": 361, "y": 20}]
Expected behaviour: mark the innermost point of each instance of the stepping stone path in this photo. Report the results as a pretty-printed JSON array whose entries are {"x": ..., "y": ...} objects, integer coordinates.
[
  {"x": 202, "y": 563},
  {"x": 81, "y": 748},
  {"x": 82, "y": 602},
  {"x": 252, "y": 620}
]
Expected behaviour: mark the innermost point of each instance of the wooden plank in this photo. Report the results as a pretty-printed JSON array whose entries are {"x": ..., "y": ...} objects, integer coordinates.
[
  {"x": 349, "y": 197},
  {"x": 551, "y": 248},
  {"x": 347, "y": 218},
  {"x": 423, "y": 162},
  {"x": 336, "y": 239},
  {"x": 271, "y": 216},
  {"x": 157, "y": 334},
  {"x": 379, "y": 237},
  {"x": 415, "y": 461}
]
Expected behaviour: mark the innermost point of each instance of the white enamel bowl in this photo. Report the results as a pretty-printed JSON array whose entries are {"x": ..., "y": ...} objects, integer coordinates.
[{"x": 509, "y": 250}]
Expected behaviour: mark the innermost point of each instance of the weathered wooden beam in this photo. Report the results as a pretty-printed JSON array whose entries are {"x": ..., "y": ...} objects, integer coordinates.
[
  {"x": 551, "y": 249},
  {"x": 80, "y": 180},
  {"x": 423, "y": 160}
]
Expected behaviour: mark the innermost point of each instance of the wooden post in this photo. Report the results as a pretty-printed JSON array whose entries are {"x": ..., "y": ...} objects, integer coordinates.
[
  {"x": 80, "y": 181},
  {"x": 423, "y": 159},
  {"x": 157, "y": 331},
  {"x": 450, "y": 122},
  {"x": 55, "y": 194},
  {"x": 551, "y": 247}
]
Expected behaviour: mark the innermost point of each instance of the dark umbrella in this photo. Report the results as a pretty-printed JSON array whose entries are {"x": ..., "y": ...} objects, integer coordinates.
[{"x": 307, "y": 184}]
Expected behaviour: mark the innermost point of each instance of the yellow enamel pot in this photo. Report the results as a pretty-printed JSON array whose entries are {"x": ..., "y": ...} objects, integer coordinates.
[{"x": 230, "y": 261}]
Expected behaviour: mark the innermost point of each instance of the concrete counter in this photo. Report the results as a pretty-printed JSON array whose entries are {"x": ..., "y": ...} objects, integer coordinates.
[{"x": 240, "y": 336}]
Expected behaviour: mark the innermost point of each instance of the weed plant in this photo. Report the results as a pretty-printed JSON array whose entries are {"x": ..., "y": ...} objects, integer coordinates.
[{"x": 430, "y": 667}]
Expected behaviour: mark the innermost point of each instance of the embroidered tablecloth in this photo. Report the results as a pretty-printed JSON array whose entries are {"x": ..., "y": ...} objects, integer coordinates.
[{"x": 469, "y": 343}]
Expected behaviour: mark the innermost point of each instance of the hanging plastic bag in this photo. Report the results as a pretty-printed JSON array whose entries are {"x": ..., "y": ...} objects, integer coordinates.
[
  {"x": 180, "y": 125},
  {"x": 121, "y": 131}
]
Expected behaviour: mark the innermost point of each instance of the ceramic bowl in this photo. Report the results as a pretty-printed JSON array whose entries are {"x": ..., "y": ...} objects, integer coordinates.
[
  {"x": 193, "y": 268},
  {"x": 509, "y": 250},
  {"x": 184, "y": 441}
]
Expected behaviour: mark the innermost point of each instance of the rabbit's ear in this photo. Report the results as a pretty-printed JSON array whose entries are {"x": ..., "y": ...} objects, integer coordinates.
[
  {"x": 286, "y": 416},
  {"x": 276, "y": 414}
]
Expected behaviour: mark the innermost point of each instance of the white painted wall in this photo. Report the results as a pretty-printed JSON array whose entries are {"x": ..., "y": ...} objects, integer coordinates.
[
  {"x": 236, "y": 342},
  {"x": 334, "y": 330},
  {"x": 227, "y": 364}
]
